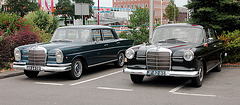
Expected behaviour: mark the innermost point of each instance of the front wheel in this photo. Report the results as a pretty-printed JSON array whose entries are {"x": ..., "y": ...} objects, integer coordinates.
[
  {"x": 76, "y": 70},
  {"x": 120, "y": 60},
  {"x": 197, "y": 81},
  {"x": 31, "y": 74},
  {"x": 136, "y": 78}
]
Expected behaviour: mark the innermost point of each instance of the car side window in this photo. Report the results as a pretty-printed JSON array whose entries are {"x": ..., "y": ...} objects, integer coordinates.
[
  {"x": 107, "y": 34},
  {"x": 96, "y": 35},
  {"x": 211, "y": 34}
]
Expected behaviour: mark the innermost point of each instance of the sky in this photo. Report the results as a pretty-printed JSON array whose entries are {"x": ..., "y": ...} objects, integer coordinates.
[{"x": 108, "y": 3}]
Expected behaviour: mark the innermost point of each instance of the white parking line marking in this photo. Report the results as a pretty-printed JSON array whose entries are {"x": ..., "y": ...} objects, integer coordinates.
[
  {"x": 95, "y": 78},
  {"x": 188, "y": 94},
  {"x": 54, "y": 84},
  {"x": 173, "y": 91},
  {"x": 179, "y": 87},
  {"x": 119, "y": 89}
]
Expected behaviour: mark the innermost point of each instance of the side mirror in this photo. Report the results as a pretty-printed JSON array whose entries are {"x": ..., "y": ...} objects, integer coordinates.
[{"x": 209, "y": 40}]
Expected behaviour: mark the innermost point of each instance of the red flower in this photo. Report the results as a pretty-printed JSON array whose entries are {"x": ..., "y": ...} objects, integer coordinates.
[{"x": 4, "y": 22}]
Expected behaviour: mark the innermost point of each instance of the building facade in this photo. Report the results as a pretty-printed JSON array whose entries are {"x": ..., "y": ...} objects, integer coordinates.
[{"x": 133, "y": 4}]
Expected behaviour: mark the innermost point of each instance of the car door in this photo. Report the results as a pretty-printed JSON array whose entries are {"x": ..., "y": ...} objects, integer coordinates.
[
  {"x": 96, "y": 50},
  {"x": 213, "y": 49},
  {"x": 110, "y": 45}
]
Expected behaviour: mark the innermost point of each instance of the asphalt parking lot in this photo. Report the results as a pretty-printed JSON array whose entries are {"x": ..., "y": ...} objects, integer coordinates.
[{"x": 106, "y": 85}]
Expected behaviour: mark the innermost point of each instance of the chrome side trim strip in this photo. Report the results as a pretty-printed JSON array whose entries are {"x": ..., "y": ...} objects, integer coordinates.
[{"x": 102, "y": 63}]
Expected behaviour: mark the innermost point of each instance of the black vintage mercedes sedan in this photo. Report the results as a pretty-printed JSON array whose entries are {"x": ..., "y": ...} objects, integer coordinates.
[
  {"x": 178, "y": 50},
  {"x": 73, "y": 49}
]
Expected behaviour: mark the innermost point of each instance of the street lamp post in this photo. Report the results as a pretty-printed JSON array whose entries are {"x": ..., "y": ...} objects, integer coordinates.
[{"x": 98, "y": 12}]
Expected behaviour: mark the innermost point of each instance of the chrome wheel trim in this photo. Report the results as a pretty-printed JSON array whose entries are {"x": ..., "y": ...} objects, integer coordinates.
[
  {"x": 201, "y": 74},
  {"x": 78, "y": 68},
  {"x": 121, "y": 59}
]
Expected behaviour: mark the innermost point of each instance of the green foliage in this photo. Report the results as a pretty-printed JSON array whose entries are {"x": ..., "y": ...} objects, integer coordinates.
[
  {"x": 221, "y": 15},
  {"x": 139, "y": 20},
  {"x": 232, "y": 40},
  {"x": 10, "y": 23},
  {"x": 43, "y": 23},
  {"x": 22, "y": 6},
  {"x": 170, "y": 11},
  {"x": 134, "y": 35}
]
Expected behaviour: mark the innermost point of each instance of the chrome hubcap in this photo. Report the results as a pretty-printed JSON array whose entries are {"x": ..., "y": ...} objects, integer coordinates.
[
  {"x": 121, "y": 59},
  {"x": 78, "y": 69},
  {"x": 201, "y": 74}
]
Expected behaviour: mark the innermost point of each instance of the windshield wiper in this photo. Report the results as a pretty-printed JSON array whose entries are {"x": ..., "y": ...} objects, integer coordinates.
[{"x": 62, "y": 40}]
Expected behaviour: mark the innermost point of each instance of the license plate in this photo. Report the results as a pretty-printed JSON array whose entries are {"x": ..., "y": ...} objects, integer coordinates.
[
  {"x": 156, "y": 72},
  {"x": 34, "y": 68}
]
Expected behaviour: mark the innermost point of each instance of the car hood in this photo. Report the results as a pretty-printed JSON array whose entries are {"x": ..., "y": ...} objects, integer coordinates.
[
  {"x": 141, "y": 50},
  {"x": 53, "y": 45}
]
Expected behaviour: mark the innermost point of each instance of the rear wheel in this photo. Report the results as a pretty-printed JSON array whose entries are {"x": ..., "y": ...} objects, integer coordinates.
[
  {"x": 120, "y": 60},
  {"x": 76, "y": 70},
  {"x": 136, "y": 78},
  {"x": 31, "y": 74},
  {"x": 197, "y": 81},
  {"x": 219, "y": 66}
]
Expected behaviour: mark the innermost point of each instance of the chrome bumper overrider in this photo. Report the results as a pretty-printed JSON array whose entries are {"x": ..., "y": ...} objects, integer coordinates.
[
  {"x": 49, "y": 67},
  {"x": 168, "y": 73}
]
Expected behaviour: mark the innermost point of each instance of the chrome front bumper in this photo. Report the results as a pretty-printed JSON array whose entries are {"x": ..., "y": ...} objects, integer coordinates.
[
  {"x": 48, "y": 67},
  {"x": 168, "y": 73}
]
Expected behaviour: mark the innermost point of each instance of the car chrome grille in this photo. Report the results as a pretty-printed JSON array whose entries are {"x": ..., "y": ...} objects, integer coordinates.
[
  {"x": 37, "y": 57},
  {"x": 157, "y": 60}
]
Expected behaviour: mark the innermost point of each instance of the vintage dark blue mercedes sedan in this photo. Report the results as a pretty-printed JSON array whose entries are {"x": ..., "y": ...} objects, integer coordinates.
[
  {"x": 178, "y": 50},
  {"x": 72, "y": 49}
]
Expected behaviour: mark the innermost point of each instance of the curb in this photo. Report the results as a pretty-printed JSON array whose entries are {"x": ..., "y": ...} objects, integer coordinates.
[{"x": 8, "y": 74}]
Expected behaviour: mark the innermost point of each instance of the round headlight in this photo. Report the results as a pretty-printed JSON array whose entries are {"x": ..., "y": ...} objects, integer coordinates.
[
  {"x": 188, "y": 55},
  {"x": 129, "y": 53},
  {"x": 17, "y": 54},
  {"x": 59, "y": 56}
]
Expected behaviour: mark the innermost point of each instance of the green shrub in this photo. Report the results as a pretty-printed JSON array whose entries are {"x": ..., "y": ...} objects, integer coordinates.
[
  {"x": 44, "y": 22},
  {"x": 232, "y": 42},
  {"x": 136, "y": 36}
]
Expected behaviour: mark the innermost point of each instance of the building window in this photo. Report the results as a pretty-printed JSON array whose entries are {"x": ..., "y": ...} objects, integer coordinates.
[
  {"x": 118, "y": 6},
  {"x": 125, "y": 6},
  {"x": 121, "y": 6},
  {"x": 114, "y": 0},
  {"x": 114, "y": 6},
  {"x": 132, "y": 6},
  {"x": 146, "y": 5},
  {"x": 135, "y": 5},
  {"x": 142, "y": 5},
  {"x": 128, "y": 5}
]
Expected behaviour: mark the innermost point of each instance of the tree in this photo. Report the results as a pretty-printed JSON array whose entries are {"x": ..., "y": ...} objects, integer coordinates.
[
  {"x": 64, "y": 8},
  {"x": 21, "y": 6},
  {"x": 170, "y": 9},
  {"x": 221, "y": 15},
  {"x": 140, "y": 19}
]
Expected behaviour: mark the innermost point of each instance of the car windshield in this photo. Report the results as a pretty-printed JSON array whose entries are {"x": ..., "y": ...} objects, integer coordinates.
[
  {"x": 71, "y": 35},
  {"x": 177, "y": 35}
]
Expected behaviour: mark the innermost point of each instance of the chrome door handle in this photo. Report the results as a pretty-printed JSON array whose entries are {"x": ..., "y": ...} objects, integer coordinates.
[
  {"x": 105, "y": 44},
  {"x": 118, "y": 42}
]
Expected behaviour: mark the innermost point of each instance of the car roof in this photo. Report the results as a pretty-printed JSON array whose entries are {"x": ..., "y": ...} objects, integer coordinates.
[
  {"x": 85, "y": 27},
  {"x": 180, "y": 25}
]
